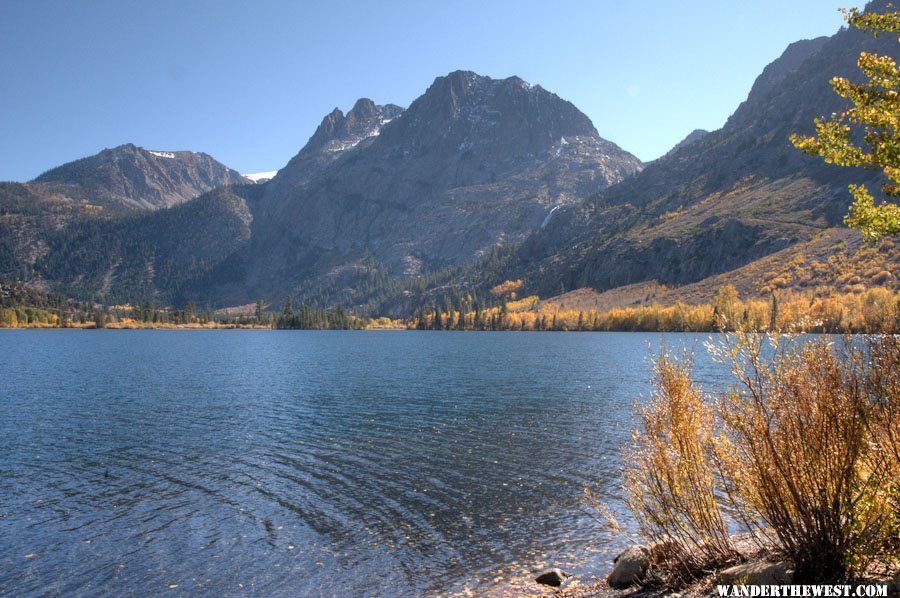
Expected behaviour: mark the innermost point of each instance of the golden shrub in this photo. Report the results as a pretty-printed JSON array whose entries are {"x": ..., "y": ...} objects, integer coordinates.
[{"x": 804, "y": 450}]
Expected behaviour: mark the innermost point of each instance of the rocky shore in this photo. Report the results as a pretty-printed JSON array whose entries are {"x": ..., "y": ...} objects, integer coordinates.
[{"x": 636, "y": 572}]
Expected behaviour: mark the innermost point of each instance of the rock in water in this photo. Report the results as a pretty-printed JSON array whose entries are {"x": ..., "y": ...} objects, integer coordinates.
[
  {"x": 630, "y": 568},
  {"x": 552, "y": 577}
]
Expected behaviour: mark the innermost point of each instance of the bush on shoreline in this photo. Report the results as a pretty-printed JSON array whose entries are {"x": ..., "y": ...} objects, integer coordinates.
[
  {"x": 671, "y": 479},
  {"x": 804, "y": 452}
]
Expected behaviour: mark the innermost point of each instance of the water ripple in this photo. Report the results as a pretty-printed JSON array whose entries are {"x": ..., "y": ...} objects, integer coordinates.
[{"x": 311, "y": 463}]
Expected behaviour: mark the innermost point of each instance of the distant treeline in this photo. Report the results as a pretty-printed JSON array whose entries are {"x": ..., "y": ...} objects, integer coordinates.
[
  {"x": 26, "y": 307},
  {"x": 312, "y": 318},
  {"x": 875, "y": 310},
  {"x": 872, "y": 310},
  {"x": 21, "y": 305}
]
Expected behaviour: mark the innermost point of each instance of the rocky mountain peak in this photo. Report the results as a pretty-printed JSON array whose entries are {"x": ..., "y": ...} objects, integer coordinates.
[
  {"x": 473, "y": 162},
  {"x": 339, "y": 131},
  {"x": 506, "y": 120},
  {"x": 363, "y": 110},
  {"x": 136, "y": 177}
]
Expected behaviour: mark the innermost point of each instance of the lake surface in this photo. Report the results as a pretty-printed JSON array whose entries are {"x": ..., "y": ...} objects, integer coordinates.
[{"x": 311, "y": 463}]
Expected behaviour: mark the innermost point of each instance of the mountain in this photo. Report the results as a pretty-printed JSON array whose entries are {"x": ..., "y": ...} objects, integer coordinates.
[
  {"x": 727, "y": 199},
  {"x": 377, "y": 195},
  {"x": 471, "y": 163},
  {"x": 132, "y": 177},
  {"x": 336, "y": 134},
  {"x": 339, "y": 132},
  {"x": 114, "y": 184}
]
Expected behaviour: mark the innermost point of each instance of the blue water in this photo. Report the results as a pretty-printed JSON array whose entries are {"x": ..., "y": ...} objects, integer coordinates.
[{"x": 311, "y": 463}]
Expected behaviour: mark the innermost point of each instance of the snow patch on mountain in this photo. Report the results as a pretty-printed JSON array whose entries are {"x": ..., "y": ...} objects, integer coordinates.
[{"x": 260, "y": 177}]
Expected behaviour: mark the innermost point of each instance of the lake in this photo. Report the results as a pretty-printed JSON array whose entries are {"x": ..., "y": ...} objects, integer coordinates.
[{"x": 311, "y": 462}]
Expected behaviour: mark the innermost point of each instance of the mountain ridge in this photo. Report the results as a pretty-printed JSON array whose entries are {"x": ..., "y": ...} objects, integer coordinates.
[
  {"x": 379, "y": 193},
  {"x": 133, "y": 177},
  {"x": 471, "y": 162},
  {"x": 736, "y": 195}
]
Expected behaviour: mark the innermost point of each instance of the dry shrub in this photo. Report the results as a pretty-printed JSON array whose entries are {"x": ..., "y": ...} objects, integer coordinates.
[
  {"x": 670, "y": 475},
  {"x": 804, "y": 456},
  {"x": 803, "y": 451},
  {"x": 882, "y": 385},
  {"x": 880, "y": 369},
  {"x": 880, "y": 311}
]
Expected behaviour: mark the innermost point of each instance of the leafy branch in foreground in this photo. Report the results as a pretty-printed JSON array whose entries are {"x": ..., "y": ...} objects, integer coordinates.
[{"x": 876, "y": 109}]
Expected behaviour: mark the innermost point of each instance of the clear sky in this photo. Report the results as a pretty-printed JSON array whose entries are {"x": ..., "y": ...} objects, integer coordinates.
[{"x": 249, "y": 81}]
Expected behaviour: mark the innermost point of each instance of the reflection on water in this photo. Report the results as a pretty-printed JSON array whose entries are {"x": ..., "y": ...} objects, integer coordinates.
[{"x": 310, "y": 463}]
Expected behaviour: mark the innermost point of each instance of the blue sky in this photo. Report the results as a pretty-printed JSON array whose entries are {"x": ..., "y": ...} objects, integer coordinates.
[{"x": 248, "y": 82}]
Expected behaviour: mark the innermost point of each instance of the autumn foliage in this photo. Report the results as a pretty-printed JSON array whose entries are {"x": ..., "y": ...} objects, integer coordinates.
[
  {"x": 802, "y": 451},
  {"x": 872, "y": 310}
]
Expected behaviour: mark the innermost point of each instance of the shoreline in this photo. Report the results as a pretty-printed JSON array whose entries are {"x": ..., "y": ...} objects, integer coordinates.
[{"x": 757, "y": 566}]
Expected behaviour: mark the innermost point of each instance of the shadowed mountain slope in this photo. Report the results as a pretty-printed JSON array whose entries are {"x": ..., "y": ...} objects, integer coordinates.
[{"x": 728, "y": 198}]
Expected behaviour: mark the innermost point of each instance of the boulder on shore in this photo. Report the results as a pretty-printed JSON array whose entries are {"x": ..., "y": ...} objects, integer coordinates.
[
  {"x": 630, "y": 567},
  {"x": 552, "y": 577}
]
